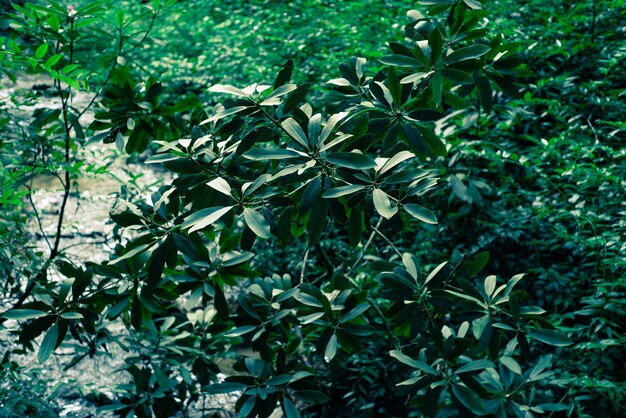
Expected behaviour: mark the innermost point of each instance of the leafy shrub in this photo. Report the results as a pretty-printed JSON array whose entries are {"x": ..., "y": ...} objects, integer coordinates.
[{"x": 300, "y": 231}]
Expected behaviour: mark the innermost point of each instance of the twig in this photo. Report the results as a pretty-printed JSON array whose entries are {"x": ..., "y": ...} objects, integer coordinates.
[
  {"x": 367, "y": 244},
  {"x": 388, "y": 241},
  {"x": 37, "y": 217}
]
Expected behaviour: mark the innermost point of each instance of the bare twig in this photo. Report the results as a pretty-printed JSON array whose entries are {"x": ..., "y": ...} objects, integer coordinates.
[
  {"x": 367, "y": 244},
  {"x": 388, "y": 241}
]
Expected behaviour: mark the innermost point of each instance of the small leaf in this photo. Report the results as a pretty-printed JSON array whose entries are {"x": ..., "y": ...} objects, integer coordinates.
[
  {"x": 490, "y": 285},
  {"x": 41, "y": 51},
  {"x": 71, "y": 315},
  {"x": 48, "y": 344},
  {"x": 331, "y": 349}
]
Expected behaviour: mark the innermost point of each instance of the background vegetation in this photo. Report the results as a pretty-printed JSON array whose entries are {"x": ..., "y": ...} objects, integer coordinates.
[{"x": 348, "y": 241}]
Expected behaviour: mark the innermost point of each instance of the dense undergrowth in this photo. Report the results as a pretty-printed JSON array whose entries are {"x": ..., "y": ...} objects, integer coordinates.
[{"x": 306, "y": 232}]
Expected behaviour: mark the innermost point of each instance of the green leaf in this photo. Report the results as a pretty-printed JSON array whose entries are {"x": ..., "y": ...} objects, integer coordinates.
[
  {"x": 551, "y": 337},
  {"x": 395, "y": 160},
  {"x": 222, "y": 88},
  {"x": 511, "y": 364},
  {"x": 53, "y": 60},
  {"x": 236, "y": 332},
  {"x": 356, "y": 311},
  {"x": 284, "y": 75},
  {"x": 204, "y": 217},
  {"x": 48, "y": 344},
  {"x": 257, "y": 223},
  {"x": 295, "y": 132},
  {"x": 331, "y": 123},
  {"x": 226, "y": 387},
  {"x": 260, "y": 154},
  {"x": 383, "y": 204},
  {"x": 416, "y": 364},
  {"x": 412, "y": 78},
  {"x": 468, "y": 52},
  {"x": 435, "y": 41},
  {"x": 474, "y": 366},
  {"x": 490, "y": 285},
  {"x": 307, "y": 319},
  {"x": 71, "y": 315},
  {"x": 282, "y": 90},
  {"x": 351, "y": 160},
  {"x": 220, "y": 185},
  {"x": 290, "y": 409},
  {"x": 401, "y": 61},
  {"x": 331, "y": 348},
  {"x": 131, "y": 253},
  {"x": 41, "y": 51},
  {"x": 23, "y": 314},
  {"x": 421, "y": 213},
  {"x": 342, "y": 191},
  {"x": 469, "y": 399},
  {"x": 308, "y": 300}
]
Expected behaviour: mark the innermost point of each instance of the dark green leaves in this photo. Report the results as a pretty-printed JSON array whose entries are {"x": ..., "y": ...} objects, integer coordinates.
[
  {"x": 421, "y": 213},
  {"x": 48, "y": 344},
  {"x": 205, "y": 217},
  {"x": 465, "y": 53},
  {"x": 383, "y": 205},
  {"x": 551, "y": 337},
  {"x": 257, "y": 223},
  {"x": 352, "y": 160},
  {"x": 23, "y": 314}
]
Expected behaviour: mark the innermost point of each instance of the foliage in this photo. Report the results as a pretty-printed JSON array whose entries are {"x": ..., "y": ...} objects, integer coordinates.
[{"x": 334, "y": 245}]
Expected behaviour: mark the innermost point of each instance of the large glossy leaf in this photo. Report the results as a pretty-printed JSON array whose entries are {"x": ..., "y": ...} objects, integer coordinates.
[
  {"x": 353, "y": 160},
  {"x": 21, "y": 314},
  {"x": 331, "y": 348},
  {"x": 205, "y": 217},
  {"x": 48, "y": 344},
  {"x": 383, "y": 205},
  {"x": 421, "y": 213},
  {"x": 257, "y": 223},
  {"x": 468, "y": 52},
  {"x": 551, "y": 337}
]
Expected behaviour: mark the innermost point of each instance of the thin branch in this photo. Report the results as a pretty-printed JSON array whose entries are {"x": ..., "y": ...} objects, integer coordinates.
[
  {"x": 367, "y": 244},
  {"x": 388, "y": 241},
  {"x": 37, "y": 217}
]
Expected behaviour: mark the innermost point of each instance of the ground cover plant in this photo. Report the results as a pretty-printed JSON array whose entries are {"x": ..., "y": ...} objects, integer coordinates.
[{"x": 435, "y": 228}]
